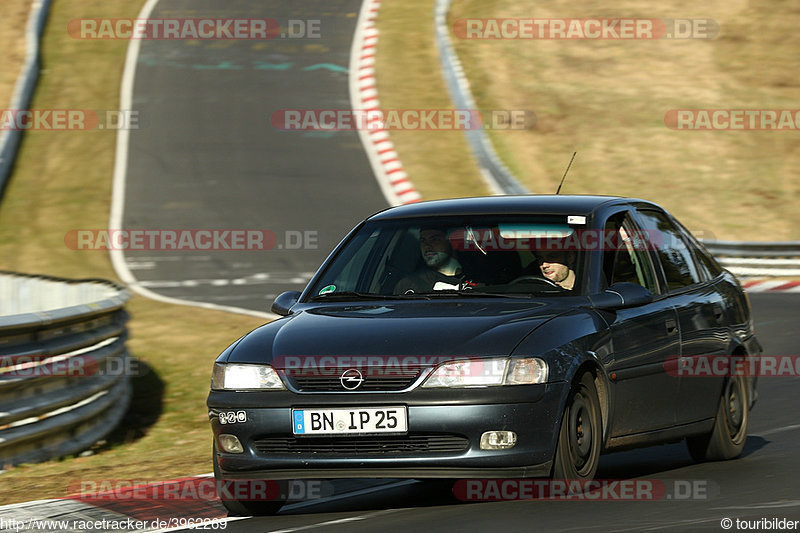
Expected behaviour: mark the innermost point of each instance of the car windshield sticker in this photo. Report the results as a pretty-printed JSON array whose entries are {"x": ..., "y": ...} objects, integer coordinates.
[{"x": 327, "y": 289}]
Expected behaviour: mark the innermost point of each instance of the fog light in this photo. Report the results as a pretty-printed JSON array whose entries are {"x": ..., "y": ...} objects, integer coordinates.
[
  {"x": 498, "y": 440},
  {"x": 230, "y": 444}
]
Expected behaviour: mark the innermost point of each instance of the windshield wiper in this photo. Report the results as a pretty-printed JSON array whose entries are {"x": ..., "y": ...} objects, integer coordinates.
[{"x": 351, "y": 295}]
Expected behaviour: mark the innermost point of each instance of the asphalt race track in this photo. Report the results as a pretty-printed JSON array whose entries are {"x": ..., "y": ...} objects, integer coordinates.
[{"x": 206, "y": 155}]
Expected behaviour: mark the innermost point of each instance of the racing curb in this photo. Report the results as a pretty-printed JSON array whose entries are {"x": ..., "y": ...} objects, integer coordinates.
[
  {"x": 771, "y": 286},
  {"x": 392, "y": 178}
]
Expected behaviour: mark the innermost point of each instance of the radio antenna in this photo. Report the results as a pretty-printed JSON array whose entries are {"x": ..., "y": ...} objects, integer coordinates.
[{"x": 565, "y": 172}]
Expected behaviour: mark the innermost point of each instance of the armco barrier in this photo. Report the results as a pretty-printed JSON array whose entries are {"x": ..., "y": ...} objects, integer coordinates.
[
  {"x": 64, "y": 372},
  {"x": 757, "y": 258},
  {"x": 25, "y": 86}
]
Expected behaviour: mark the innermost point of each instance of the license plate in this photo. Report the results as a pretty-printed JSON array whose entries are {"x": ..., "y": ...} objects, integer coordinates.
[{"x": 349, "y": 421}]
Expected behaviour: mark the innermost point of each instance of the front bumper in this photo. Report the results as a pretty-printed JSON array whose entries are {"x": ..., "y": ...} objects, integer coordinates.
[{"x": 533, "y": 412}]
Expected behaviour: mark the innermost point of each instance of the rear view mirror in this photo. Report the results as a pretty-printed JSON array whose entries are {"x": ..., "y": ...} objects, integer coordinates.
[
  {"x": 284, "y": 302},
  {"x": 621, "y": 296}
]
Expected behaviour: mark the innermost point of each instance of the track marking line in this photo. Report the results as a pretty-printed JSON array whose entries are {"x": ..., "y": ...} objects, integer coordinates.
[
  {"x": 337, "y": 521},
  {"x": 345, "y": 495},
  {"x": 118, "y": 188},
  {"x": 777, "y": 430}
]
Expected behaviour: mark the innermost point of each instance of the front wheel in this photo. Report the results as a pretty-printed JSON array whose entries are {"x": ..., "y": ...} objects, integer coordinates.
[
  {"x": 578, "y": 449},
  {"x": 727, "y": 438}
]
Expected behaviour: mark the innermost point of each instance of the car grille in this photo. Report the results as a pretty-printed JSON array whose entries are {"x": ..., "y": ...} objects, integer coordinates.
[
  {"x": 375, "y": 380},
  {"x": 397, "y": 444}
]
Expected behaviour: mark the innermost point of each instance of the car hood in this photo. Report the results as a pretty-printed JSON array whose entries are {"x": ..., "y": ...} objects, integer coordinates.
[{"x": 430, "y": 328}]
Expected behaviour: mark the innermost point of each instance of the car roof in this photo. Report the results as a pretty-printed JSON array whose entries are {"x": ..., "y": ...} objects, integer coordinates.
[{"x": 546, "y": 204}]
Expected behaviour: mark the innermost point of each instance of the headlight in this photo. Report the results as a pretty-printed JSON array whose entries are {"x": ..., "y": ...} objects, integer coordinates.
[
  {"x": 245, "y": 377},
  {"x": 488, "y": 372}
]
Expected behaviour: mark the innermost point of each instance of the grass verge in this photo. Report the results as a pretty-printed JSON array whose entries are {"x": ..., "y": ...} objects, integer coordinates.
[
  {"x": 607, "y": 100},
  {"x": 62, "y": 181},
  {"x": 13, "y": 20}
]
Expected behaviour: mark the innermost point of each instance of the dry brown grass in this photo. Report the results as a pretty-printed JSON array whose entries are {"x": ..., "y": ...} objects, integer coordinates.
[
  {"x": 607, "y": 100},
  {"x": 13, "y": 19}
]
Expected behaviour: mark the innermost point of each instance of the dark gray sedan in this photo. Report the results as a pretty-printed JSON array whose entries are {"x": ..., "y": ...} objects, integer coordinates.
[{"x": 500, "y": 337}]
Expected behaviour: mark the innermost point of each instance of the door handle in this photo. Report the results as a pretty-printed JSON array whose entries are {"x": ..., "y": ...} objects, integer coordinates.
[{"x": 672, "y": 326}]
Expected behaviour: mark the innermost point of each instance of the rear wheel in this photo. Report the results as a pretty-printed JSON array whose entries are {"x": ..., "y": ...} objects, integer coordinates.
[
  {"x": 581, "y": 434},
  {"x": 726, "y": 440},
  {"x": 241, "y": 507}
]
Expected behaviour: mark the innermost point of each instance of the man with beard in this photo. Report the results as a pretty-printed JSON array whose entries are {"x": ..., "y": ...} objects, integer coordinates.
[
  {"x": 442, "y": 269},
  {"x": 557, "y": 267}
]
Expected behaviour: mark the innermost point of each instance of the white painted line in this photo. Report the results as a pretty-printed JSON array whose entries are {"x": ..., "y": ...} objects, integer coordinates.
[
  {"x": 338, "y": 521},
  {"x": 778, "y": 504},
  {"x": 118, "y": 195},
  {"x": 345, "y": 495},
  {"x": 777, "y": 430},
  {"x": 27, "y": 504},
  {"x": 761, "y": 261},
  {"x": 201, "y": 525}
]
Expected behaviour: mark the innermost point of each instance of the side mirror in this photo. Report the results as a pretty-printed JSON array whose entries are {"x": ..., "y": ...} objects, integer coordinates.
[
  {"x": 284, "y": 302},
  {"x": 621, "y": 296}
]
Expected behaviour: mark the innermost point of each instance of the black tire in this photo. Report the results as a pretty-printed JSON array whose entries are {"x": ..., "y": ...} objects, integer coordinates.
[
  {"x": 580, "y": 437},
  {"x": 242, "y": 507},
  {"x": 726, "y": 440}
]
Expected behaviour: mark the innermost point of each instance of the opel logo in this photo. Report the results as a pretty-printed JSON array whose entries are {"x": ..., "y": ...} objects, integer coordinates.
[{"x": 351, "y": 379}]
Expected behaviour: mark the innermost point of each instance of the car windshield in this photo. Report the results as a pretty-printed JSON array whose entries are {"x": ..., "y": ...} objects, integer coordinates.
[{"x": 456, "y": 256}]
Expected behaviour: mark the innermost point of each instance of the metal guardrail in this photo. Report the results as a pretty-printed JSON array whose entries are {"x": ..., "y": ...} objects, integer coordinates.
[
  {"x": 499, "y": 178},
  {"x": 757, "y": 258},
  {"x": 24, "y": 88},
  {"x": 64, "y": 372}
]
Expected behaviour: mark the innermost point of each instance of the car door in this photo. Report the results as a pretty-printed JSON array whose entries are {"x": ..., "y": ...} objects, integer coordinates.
[
  {"x": 643, "y": 337},
  {"x": 700, "y": 316}
]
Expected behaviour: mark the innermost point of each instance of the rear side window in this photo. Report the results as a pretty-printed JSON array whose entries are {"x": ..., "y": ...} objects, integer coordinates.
[
  {"x": 704, "y": 259},
  {"x": 672, "y": 250},
  {"x": 627, "y": 260}
]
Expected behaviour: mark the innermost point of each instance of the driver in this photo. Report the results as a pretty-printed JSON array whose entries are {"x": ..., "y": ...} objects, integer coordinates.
[
  {"x": 556, "y": 265},
  {"x": 442, "y": 269}
]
